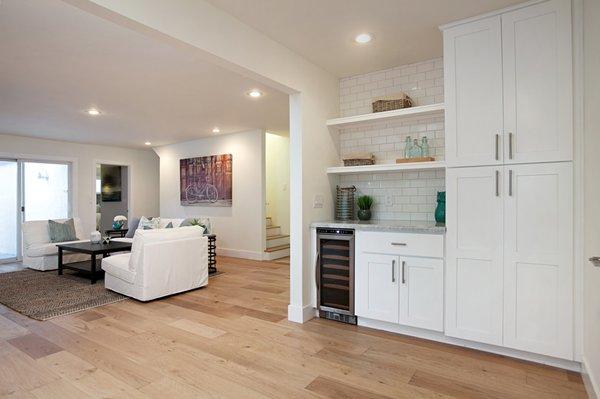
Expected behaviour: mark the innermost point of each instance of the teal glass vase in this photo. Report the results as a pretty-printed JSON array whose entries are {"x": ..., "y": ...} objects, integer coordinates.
[{"x": 440, "y": 210}]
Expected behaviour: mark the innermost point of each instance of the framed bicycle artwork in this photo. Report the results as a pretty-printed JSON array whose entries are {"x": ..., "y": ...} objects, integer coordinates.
[{"x": 206, "y": 181}]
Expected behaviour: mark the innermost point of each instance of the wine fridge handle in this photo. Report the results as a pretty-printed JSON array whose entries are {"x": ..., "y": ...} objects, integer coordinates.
[{"x": 317, "y": 270}]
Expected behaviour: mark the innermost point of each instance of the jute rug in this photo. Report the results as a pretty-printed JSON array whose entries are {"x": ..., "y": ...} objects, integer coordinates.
[{"x": 44, "y": 295}]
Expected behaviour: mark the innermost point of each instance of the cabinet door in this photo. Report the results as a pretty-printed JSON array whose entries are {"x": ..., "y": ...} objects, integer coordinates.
[
  {"x": 474, "y": 254},
  {"x": 377, "y": 287},
  {"x": 473, "y": 93},
  {"x": 537, "y": 64},
  {"x": 538, "y": 259},
  {"x": 421, "y": 293}
]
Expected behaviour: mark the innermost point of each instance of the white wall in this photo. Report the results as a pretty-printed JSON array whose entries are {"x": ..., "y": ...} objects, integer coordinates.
[
  {"x": 591, "y": 290},
  {"x": 277, "y": 160},
  {"x": 198, "y": 25},
  {"x": 143, "y": 167},
  {"x": 240, "y": 228}
]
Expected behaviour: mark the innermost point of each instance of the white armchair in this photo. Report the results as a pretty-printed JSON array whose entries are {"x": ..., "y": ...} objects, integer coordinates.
[{"x": 162, "y": 262}]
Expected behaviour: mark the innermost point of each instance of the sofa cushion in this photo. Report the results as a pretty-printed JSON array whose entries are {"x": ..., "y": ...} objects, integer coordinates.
[
  {"x": 164, "y": 222},
  {"x": 47, "y": 249},
  {"x": 133, "y": 226},
  {"x": 35, "y": 232},
  {"x": 149, "y": 223},
  {"x": 62, "y": 231},
  {"x": 118, "y": 266}
]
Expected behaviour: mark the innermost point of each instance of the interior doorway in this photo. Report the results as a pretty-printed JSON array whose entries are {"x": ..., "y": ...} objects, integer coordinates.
[{"x": 112, "y": 194}]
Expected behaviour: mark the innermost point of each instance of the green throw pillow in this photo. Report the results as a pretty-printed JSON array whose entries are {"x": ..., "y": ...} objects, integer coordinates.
[{"x": 61, "y": 232}]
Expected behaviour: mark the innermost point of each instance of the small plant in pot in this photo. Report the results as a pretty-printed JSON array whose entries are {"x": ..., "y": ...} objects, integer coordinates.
[{"x": 364, "y": 204}]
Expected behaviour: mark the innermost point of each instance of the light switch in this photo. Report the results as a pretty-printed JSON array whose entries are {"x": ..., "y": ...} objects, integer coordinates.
[{"x": 318, "y": 201}]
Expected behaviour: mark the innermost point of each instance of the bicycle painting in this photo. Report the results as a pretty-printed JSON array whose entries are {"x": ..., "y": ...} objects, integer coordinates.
[{"x": 206, "y": 181}]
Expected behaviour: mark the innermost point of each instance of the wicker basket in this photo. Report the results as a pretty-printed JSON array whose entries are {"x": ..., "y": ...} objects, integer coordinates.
[
  {"x": 359, "y": 161},
  {"x": 390, "y": 104}
]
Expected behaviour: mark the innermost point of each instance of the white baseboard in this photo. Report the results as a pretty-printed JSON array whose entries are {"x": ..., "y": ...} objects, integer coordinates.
[
  {"x": 302, "y": 314},
  {"x": 440, "y": 337},
  {"x": 591, "y": 385},
  {"x": 240, "y": 253}
]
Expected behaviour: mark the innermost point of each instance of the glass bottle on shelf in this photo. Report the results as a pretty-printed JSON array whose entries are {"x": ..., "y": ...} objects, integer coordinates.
[
  {"x": 407, "y": 147},
  {"x": 425, "y": 146},
  {"x": 415, "y": 150}
]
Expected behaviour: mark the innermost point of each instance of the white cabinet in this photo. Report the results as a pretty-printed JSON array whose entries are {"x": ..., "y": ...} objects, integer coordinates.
[
  {"x": 473, "y": 93},
  {"x": 474, "y": 254},
  {"x": 537, "y": 66},
  {"x": 538, "y": 258},
  {"x": 509, "y": 278},
  {"x": 376, "y": 286},
  {"x": 508, "y": 87},
  {"x": 421, "y": 293},
  {"x": 399, "y": 278}
]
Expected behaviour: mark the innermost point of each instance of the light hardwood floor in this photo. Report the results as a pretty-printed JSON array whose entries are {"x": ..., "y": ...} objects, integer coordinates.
[{"x": 232, "y": 340}]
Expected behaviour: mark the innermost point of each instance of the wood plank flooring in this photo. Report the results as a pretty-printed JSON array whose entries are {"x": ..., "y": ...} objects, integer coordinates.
[{"x": 232, "y": 340}]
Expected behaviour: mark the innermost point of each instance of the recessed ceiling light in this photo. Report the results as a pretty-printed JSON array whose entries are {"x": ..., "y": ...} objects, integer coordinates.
[
  {"x": 216, "y": 130},
  {"x": 93, "y": 111},
  {"x": 363, "y": 38},
  {"x": 148, "y": 143},
  {"x": 255, "y": 93}
]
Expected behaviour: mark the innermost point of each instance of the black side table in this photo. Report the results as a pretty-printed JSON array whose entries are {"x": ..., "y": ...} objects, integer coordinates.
[
  {"x": 112, "y": 233},
  {"x": 212, "y": 253}
]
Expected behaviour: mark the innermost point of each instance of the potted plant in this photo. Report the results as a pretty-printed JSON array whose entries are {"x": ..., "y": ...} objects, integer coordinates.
[
  {"x": 364, "y": 204},
  {"x": 119, "y": 222}
]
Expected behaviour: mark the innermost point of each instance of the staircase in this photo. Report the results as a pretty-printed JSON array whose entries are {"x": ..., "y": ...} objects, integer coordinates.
[{"x": 278, "y": 245}]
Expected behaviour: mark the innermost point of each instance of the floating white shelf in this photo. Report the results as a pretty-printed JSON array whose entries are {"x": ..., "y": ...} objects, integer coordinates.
[
  {"x": 357, "y": 120},
  {"x": 379, "y": 168}
]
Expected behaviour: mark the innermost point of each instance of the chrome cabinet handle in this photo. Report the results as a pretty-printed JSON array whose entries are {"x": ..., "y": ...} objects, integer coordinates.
[
  {"x": 497, "y": 152},
  {"x": 595, "y": 260},
  {"x": 510, "y": 145},
  {"x": 403, "y": 267},
  {"x": 399, "y": 244},
  {"x": 510, "y": 184},
  {"x": 393, "y": 271},
  {"x": 497, "y": 183}
]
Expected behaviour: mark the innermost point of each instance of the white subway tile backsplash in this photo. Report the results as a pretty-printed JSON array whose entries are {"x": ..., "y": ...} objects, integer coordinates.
[{"x": 412, "y": 193}]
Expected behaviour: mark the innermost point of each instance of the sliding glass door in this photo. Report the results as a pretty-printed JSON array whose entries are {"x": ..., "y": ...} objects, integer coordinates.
[
  {"x": 30, "y": 190},
  {"x": 9, "y": 210},
  {"x": 45, "y": 191}
]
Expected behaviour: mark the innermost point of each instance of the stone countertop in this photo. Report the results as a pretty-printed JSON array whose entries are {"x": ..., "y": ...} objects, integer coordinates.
[{"x": 398, "y": 226}]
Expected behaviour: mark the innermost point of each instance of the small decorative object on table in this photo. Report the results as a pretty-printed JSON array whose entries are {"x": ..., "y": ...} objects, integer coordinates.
[
  {"x": 440, "y": 210},
  {"x": 392, "y": 102},
  {"x": 119, "y": 222},
  {"x": 359, "y": 160},
  {"x": 106, "y": 240},
  {"x": 364, "y": 204},
  {"x": 95, "y": 237}
]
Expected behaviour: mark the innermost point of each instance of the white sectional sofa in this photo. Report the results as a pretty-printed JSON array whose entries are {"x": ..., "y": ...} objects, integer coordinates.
[
  {"x": 163, "y": 224},
  {"x": 41, "y": 254},
  {"x": 162, "y": 262}
]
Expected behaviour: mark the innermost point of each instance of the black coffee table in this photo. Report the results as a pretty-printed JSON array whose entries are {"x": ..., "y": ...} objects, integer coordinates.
[{"x": 94, "y": 250}]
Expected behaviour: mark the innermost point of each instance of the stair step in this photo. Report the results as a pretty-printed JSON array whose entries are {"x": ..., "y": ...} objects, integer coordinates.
[
  {"x": 273, "y": 227},
  {"x": 278, "y": 248},
  {"x": 273, "y": 231},
  {"x": 275, "y": 237}
]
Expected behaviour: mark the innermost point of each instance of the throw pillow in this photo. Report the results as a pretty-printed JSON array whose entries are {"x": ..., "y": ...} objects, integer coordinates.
[
  {"x": 193, "y": 222},
  {"x": 149, "y": 223},
  {"x": 169, "y": 226},
  {"x": 62, "y": 232},
  {"x": 133, "y": 226}
]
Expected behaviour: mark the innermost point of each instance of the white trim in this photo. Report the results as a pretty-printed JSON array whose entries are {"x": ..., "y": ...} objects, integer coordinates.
[
  {"x": 490, "y": 14},
  {"x": 240, "y": 253},
  {"x": 591, "y": 385},
  {"x": 440, "y": 337},
  {"x": 301, "y": 315},
  {"x": 386, "y": 116}
]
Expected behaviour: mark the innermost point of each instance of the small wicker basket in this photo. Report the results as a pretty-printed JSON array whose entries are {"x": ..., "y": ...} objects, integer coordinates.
[
  {"x": 390, "y": 103},
  {"x": 360, "y": 161}
]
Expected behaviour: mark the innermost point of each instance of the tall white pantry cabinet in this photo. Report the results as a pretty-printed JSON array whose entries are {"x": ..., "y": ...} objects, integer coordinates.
[{"x": 509, "y": 145}]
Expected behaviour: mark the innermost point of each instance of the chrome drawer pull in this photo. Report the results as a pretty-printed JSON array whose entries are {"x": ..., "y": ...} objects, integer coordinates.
[{"x": 399, "y": 244}]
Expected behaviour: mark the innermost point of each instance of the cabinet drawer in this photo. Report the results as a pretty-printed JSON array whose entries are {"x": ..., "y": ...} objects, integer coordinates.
[{"x": 425, "y": 245}]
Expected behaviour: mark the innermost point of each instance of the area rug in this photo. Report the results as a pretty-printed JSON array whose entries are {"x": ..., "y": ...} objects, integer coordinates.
[{"x": 44, "y": 295}]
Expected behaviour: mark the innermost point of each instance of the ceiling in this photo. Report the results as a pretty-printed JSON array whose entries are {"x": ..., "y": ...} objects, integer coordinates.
[
  {"x": 58, "y": 61},
  {"x": 323, "y": 31}
]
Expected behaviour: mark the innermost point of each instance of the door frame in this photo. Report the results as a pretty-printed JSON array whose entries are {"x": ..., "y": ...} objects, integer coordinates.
[
  {"x": 18, "y": 214},
  {"x": 129, "y": 165}
]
